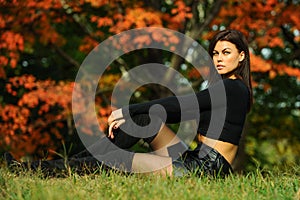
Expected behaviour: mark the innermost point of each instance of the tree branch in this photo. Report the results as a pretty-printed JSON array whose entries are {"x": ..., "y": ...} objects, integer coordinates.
[
  {"x": 197, "y": 29},
  {"x": 195, "y": 32},
  {"x": 63, "y": 54}
]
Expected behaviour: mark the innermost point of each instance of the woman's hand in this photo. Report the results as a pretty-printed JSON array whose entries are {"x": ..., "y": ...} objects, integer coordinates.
[
  {"x": 114, "y": 125},
  {"x": 115, "y": 115},
  {"x": 115, "y": 120}
]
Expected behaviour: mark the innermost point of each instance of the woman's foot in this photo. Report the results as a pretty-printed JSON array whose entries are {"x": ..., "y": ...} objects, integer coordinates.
[{"x": 11, "y": 162}]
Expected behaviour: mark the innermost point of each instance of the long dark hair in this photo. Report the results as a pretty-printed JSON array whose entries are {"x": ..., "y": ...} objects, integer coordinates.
[{"x": 238, "y": 39}]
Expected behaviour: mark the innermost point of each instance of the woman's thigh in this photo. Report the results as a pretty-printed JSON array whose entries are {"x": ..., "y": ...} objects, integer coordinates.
[
  {"x": 165, "y": 137},
  {"x": 150, "y": 163}
]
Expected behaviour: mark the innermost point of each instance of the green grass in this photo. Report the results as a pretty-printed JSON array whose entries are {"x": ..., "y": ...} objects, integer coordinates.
[{"x": 255, "y": 185}]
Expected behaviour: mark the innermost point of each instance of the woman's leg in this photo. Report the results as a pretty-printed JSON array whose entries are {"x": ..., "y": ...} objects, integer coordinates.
[
  {"x": 166, "y": 143},
  {"x": 152, "y": 164},
  {"x": 122, "y": 139},
  {"x": 161, "y": 138},
  {"x": 105, "y": 151},
  {"x": 54, "y": 167}
]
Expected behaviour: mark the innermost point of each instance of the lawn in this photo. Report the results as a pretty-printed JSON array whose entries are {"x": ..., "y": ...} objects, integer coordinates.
[{"x": 257, "y": 185}]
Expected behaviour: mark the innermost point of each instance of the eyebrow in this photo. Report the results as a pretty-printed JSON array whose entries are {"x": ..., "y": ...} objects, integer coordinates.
[{"x": 227, "y": 48}]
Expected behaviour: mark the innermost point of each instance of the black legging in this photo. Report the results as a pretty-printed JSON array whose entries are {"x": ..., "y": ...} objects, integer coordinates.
[{"x": 110, "y": 152}]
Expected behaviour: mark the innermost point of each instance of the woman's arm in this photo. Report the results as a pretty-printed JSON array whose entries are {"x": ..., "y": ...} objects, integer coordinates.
[{"x": 176, "y": 108}]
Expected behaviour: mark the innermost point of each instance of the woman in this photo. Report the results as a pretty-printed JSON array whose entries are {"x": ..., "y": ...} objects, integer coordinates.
[
  {"x": 230, "y": 54},
  {"x": 214, "y": 153}
]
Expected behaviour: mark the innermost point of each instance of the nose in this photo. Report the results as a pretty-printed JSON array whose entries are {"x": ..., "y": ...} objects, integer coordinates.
[{"x": 219, "y": 58}]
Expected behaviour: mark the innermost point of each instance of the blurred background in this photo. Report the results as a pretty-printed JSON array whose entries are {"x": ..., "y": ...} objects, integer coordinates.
[{"x": 44, "y": 42}]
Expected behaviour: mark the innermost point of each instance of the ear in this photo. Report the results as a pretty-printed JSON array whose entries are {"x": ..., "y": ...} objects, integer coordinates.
[{"x": 242, "y": 56}]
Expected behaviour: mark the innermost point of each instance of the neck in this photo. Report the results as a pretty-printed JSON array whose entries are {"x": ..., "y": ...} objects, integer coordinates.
[{"x": 230, "y": 75}]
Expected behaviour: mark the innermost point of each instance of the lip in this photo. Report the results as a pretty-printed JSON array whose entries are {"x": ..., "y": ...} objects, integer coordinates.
[{"x": 220, "y": 67}]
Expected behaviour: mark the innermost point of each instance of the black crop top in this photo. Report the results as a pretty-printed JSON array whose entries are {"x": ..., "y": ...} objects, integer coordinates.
[{"x": 236, "y": 104}]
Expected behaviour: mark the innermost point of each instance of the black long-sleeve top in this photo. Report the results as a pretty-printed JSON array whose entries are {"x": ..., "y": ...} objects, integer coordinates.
[{"x": 229, "y": 111}]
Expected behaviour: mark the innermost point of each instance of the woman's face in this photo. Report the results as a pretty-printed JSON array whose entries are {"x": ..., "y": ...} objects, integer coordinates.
[{"x": 226, "y": 57}]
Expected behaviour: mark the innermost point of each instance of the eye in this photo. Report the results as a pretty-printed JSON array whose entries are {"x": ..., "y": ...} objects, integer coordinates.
[
  {"x": 215, "y": 53},
  {"x": 226, "y": 52}
]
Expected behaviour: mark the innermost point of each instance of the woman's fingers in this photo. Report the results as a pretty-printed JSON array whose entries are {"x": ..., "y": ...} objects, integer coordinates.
[
  {"x": 110, "y": 119},
  {"x": 119, "y": 123},
  {"x": 114, "y": 121},
  {"x": 110, "y": 130},
  {"x": 114, "y": 125}
]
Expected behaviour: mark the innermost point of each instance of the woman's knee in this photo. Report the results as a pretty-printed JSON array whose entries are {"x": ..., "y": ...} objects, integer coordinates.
[{"x": 146, "y": 127}]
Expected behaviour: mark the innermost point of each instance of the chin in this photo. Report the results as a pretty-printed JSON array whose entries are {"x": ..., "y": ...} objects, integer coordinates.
[{"x": 222, "y": 73}]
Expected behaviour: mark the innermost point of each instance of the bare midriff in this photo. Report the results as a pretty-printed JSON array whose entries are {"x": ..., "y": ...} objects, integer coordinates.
[{"x": 226, "y": 149}]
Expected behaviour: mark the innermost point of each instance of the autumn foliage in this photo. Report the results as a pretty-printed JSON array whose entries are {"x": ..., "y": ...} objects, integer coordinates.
[
  {"x": 38, "y": 114},
  {"x": 267, "y": 24},
  {"x": 35, "y": 109}
]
